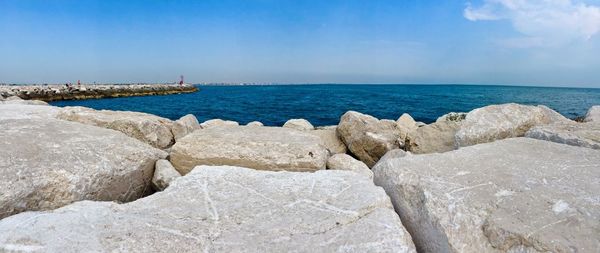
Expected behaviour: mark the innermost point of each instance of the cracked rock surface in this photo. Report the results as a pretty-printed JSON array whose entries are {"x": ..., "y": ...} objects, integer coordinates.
[
  {"x": 513, "y": 195},
  {"x": 573, "y": 133},
  {"x": 261, "y": 148},
  {"x": 49, "y": 163},
  {"x": 224, "y": 209}
]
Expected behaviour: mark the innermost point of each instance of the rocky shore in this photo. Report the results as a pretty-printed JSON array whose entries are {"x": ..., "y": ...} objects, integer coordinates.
[
  {"x": 87, "y": 91},
  {"x": 501, "y": 178}
]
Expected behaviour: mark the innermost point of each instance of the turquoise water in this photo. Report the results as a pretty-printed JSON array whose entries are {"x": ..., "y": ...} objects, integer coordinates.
[{"x": 324, "y": 104}]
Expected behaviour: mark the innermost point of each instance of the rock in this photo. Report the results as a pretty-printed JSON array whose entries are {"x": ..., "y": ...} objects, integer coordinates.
[
  {"x": 148, "y": 128},
  {"x": 406, "y": 121},
  {"x": 255, "y": 123},
  {"x": 224, "y": 209},
  {"x": 334, "y": 127},
  {"x": 593, "y": 114},
  {"x": 452, "y": 116},
  {"x": 369, "y": 138},
  {"x": 261, "y": 148},
  {"x": 299, "y": 124},
  {"x": 19, "y": 101},
  {"x": 20, "y": 111},
  {"x": 49, "y": 163},
  {"x": 574, "y": 134},
  {"x": 437, "y": 137},
  {"x": 420, "y": 124},
  {"x": 513, "y": 195},
  {"x": 332, "y": 142},
  {"x": 13, "y": 98},
  {"x": 184, "y": 126},
  {"x": 496, "y": 122},
  {"x": 346, "y": 162},
  {"x": 164, "y": 174},
  {"x": 218, "y": 123},
  {"x": 394, "y": 153}
]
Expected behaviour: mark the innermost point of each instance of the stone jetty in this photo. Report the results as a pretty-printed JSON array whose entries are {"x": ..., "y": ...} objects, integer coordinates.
[
  {"x": 54, "y": 92},
  {"x": 501, "y": 178}
]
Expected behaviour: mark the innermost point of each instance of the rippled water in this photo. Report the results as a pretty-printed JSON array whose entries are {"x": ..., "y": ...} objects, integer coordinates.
[{"x": 324, "y": 104}]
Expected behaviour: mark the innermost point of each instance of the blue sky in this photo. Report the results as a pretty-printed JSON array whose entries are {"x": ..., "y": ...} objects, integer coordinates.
[{"x": 517, "y": 42}]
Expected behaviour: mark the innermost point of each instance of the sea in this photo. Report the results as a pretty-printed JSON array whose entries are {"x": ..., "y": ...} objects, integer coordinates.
[{"x": 324, "y": 104}]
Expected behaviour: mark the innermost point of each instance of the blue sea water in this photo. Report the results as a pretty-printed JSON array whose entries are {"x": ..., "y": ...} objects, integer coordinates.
[{"x": 324, "y": 104}]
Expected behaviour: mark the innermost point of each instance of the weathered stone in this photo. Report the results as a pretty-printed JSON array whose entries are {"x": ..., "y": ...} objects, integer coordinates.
[
  {"x": 19, "y": 111},
  {"x": 299, "y": 124},
  {"x": 224, "y": 209},
  {"x": 164, "y": 174},
  {"x": 48, "y": 163},
  {"x": 575, "y": 134},
  {"x": 148, "y": 128},
  {"x": 406, "y": 121},
  {"x": 452, "y": 116},
  {"x": 255, "y": 123},
  {"x": 346, "y": 162},
  {"x": 262, "y": 148},
  {"x": 14, "y": 100},
  {"x": 184, "y": 126},
  {"x": 513, "y": 195},
  {"x": 437, "y": 137},
  {"x": 593, "y": 114},
  {"x": 497, "y": 122},
  {"x": 369, "y": 138},
  {"x": 218, "y": 123},
  {"x": 394, "y": 153},
  {"x": 331, "y": 140}
]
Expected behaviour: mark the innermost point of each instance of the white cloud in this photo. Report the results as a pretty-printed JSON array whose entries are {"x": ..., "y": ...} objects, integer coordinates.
[{"x": 545, "y": 22}]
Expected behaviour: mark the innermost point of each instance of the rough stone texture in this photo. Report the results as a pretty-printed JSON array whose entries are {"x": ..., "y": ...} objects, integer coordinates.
[
  {"x": 19, "y": 111},
  {"x": 513, "y": 195},
  {"x": 164, "y": 174},
  {"x": 497, "y": 122},
  {"x": 218, "y": 123},
  {"x": 18, "y": 101},
  {"x": 437, "y": 137},
  {"x": 394, "y": 153},
  {"x": 452, "y": 116},
  {"x": 224, "y": 209},
  {"x": 48, "y": 163},
  {"x": 148, "y": 128},
  {"x": 331, "y": 140},
  {"x": 369, "y": 138},
  {"x": 593, "y": 114},
  {"x": 575, "y": 134},
  {"x": 262, "y": 148},
  {"x": 299, "y": 124},
  {"x": 255, "y": 123},
  {"x": 184, "y": 126},
  {"x": 406, "y": 121},
  {"x": 346, "y": 162}
]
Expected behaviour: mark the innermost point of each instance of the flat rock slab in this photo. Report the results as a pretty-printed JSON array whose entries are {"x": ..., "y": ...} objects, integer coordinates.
[
  {"x": 21, "y": 111},
  {"x": 49, "y": 163},
  {"x": 224, "y": 209},
  {"x": 261, "y": 148},
  {"x": 151, "y": 129},
  {"x": 575, "y": 134},
  {"x": 514, "y": 195}
]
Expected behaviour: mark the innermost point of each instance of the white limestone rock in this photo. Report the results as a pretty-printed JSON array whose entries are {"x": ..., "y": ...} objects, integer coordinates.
[
  {"x": 331, "y": 140},
  {"x": 218, "y": 123},
  {"x": 184, "y": 126},
  {"x": 575, "y": 134},
  {"x": 224, "y": 209},
  {"x": 48, "y": 163},
  {"x": 406, "y": 121},
  {"x": 593, "y": 114},
  {"x": 148, "y": 128},
  {"x": 261, "y": 148},
  {"x": 164, "y": 174},
  {"x": 513, "y": 195},
  {"x": 437, "y": 137},
  {"x": 20, "y": 111},
  {"x": 346, "y": 162},
  {"x": 369, "y": 138},
  {"x": 299, "y": 124},
  {"x": 255, "y": 123}
]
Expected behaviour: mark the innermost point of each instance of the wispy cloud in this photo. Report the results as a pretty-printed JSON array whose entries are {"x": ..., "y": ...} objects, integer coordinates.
[{"x": 542, "y": 22}]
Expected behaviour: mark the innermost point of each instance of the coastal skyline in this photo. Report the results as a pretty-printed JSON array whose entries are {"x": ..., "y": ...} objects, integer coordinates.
[{"x": 503, "y": 42}]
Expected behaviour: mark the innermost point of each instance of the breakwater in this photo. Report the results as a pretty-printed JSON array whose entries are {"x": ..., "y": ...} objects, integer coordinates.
[{"x": 56, "y": 92}]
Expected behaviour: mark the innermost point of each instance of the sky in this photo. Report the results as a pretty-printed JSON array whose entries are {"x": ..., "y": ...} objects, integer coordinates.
[{"x": 506, "y": 42}]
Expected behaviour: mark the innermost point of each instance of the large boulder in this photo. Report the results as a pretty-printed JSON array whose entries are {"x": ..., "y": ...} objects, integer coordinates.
[
  {"x": 20, "y": 111},
  {"x": 148, "y": 128},
  {"x": 299, "y": 124},
  {"x": 369, "y": 138},
  {"x": 184, "y": 126},
  {"x": 14, "y": 100},
  {"x": 218, "y": 123},
  {"x": 575, "y": 134},
  {"x": 593, "y": 114},
  {"x": 497, "y": 122},
  {"x": 331, "y": 140},
  {"x": 255, "y": 123},
  {"x": 436, "y": 137},
  {"x": 346, "y": 162},
  {"x": 49, "y": 163},
  {"x": 513, "y": 195},
  {"x": 224, "y": 209},
  {"x": 164, "y": 174},
  {"x": 262, "y": 148},
  {"x": 406, "y": 121}
]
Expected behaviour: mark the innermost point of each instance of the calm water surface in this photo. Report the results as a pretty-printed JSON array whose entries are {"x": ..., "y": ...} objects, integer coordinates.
[{"x": 324, "y": 104}]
